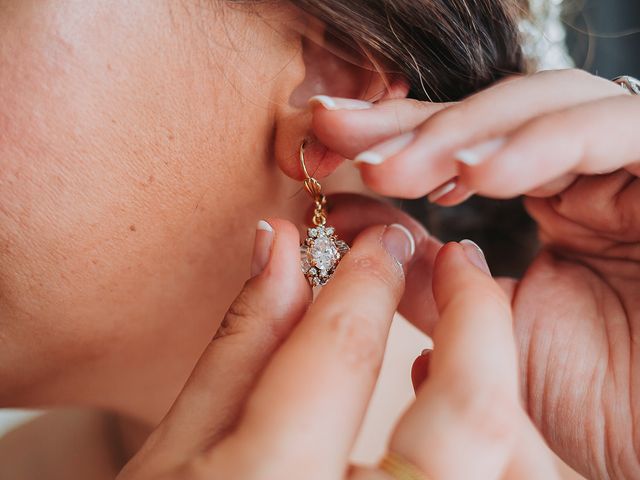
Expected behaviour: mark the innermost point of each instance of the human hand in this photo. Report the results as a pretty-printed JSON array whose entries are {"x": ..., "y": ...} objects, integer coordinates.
[
  {"x": 567, "y": 141},
  {"x": 281, "y": 391}
]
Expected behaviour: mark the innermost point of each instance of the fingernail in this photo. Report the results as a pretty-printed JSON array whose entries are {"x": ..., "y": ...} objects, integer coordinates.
[
  {"x": 480, "y": 152},
  {"x": 384, "y": 150},
  {"x": 440, "y": 192},
  {"x": 475, "y": 255},
  {"x": 399, "y": 242},
  {"x": 261, "y": 247},
  {"x": 426, "y": 351},
  {"x": 337, "y": 103}
]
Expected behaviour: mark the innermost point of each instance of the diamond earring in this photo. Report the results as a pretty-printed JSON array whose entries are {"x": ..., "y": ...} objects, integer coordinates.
[{"x": 321, "y": 251}]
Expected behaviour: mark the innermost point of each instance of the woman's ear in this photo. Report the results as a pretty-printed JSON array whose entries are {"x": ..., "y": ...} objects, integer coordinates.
[
  {"x": 336, "y": 69},
  {"x": 324, "y": 65}
]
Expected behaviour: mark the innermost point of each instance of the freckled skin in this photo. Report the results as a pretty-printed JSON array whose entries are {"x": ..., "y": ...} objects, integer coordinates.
[{"x": 136, "y": 156}]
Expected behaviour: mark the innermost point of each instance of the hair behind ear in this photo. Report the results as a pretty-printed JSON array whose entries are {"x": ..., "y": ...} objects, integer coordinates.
[{"x": 445, "y": 49}]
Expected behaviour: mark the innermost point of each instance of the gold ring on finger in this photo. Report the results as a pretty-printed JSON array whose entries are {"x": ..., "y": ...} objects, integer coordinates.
[{"x": 399, "y": 468}]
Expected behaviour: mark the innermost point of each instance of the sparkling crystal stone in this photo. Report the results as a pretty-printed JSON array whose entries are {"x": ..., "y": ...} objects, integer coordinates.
[
  {"x": 305, "y": 261},
  {"x": 324, "y": 253},
  {"x": 320, "y": 253},
  {"x": 342, "y": 247}
]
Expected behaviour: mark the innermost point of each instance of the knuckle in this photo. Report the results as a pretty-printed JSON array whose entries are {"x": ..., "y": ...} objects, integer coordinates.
[
  {"x": 446, "y": 122},
  {"x": 417, "y": 109},
  {"x": 238, "y": 314},
  {"x": 194, "y": 469},
  {"x": 359, "y": 341},
  {"x": 413, "y": 103},
  {"x": 377, "y": 269},
  {"x": 492, "y": 413}
]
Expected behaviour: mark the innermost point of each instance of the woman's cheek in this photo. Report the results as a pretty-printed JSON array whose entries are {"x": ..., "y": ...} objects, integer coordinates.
[{"x": 123, "y": 211}]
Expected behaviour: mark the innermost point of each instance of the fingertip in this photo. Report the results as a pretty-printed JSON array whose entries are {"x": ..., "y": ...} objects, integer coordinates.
[
  {"x": 460, "y": 272},
  {"x": 451, "y": 272},
  {"x": 284, "y": 265},
  {"x": 455, "y": 256},
  {"x": 420, "y": 369},
  {"x": 376, "y": 257},
  {"x": 286, "y": 235},
  {"x": 444, "y": 254},
  {"x": 283, "y": 227},
  {"x": 475, "y": 255}
]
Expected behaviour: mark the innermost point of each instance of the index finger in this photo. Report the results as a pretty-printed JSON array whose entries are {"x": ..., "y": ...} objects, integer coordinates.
[
  {"x": 313, "y": 395},
  {"x": 349, "y": 130}
]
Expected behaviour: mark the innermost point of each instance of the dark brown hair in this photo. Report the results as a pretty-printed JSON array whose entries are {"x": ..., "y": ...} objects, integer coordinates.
[{"x": 446, "y": 49}]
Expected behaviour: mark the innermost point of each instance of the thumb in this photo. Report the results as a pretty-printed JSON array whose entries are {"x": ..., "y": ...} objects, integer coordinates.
[{"x": 262, "y": 315}]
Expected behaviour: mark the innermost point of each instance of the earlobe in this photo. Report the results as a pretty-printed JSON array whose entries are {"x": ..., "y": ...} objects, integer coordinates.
[{"x": 328, "y": 68}]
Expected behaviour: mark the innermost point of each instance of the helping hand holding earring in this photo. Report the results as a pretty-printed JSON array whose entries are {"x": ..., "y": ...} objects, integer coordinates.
[{"x": 321, "y": 251}]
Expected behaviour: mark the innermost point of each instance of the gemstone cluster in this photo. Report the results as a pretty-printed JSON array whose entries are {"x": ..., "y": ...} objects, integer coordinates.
[{"x": 320, "y": 254}]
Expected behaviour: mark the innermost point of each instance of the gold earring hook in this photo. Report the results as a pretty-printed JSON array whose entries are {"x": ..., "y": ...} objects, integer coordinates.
[
  {"x": 314, "y": 188},
  {"x": 311, "y": 184},
  {"x": 304, "y": 167}
]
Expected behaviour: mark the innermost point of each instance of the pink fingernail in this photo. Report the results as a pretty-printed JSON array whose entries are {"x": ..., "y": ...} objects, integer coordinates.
[
  {"x": 337, "y": 103},
  {"x": 479, "y": 153},
  {"x": 386, "y": 149},
  {"x": 261, "y": 247},
  {"x": 440, "y": 192},
  {"x": 475, "y": 255}
]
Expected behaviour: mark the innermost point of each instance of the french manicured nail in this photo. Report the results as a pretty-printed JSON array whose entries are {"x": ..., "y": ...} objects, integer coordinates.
[
  {"x": 399, "y": 242},
  {"x": 440, "y": 192},
  {"x": 337, "y": 103},
  {"x": 261, "y": 247},
  {"x": 386, "y": 149},
  {"x": 475, "y": 255},
  {"x": 480, "y": 152}
]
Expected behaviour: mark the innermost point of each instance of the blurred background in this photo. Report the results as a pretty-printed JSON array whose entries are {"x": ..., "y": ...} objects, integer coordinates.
[{"x": 603, "y": 36}]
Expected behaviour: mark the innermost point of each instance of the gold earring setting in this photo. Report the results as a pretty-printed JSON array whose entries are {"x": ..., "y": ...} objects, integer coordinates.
[{"x": 322, "y": 250}]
